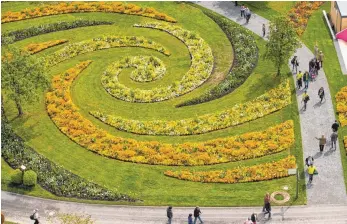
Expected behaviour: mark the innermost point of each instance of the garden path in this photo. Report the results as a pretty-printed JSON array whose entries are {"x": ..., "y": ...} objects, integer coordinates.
[
  {"x": 18, "y": 208},
  {"x": 328, "y": 186}
]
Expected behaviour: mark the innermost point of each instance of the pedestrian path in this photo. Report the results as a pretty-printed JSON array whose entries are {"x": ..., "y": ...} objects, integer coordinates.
[
  {"x": 18, "y": 208},
  {"x": 328, "y": 186}
]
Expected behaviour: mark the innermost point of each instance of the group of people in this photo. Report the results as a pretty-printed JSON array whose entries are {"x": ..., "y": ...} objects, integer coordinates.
[
  {"x": 197, "y": 213},
  {"x": 245, "y": 13},
  {"x": 266, "y": 210},
  {"x": 311, "y": 169}
]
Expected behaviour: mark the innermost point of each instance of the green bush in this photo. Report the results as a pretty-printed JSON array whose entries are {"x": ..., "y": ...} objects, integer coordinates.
[
  {"x": 17, "y": 177},
  {"x": 30, "y": 178}
]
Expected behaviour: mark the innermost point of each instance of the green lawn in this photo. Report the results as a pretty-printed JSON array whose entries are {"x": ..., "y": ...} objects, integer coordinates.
[
  {"x": 147, "y": 182},
  {"x": 317, "y": 30},
  {"x": 270, "y": 9}
]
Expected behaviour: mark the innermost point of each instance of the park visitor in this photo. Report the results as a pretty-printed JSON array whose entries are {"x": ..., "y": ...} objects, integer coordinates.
[
  {"x": 309, "y": 161},
  {"x": 322, "y": 142},
  {"x": 169, "y": 214},
  {"x": 316, "y": 50},
  {"x": 306, "y": 78},
  {"x": 321, "y": 58},
  {"x": 295, "y": 63},
  {"x": 254, "y": 218},
  {"x": 268, "y": 209},
  {"x": 242, "y": 10},
  {"x": 321, "y": 94},
  {"x": 333, "y": 138},
  {"x": 266, "y": 200},
  {"x": 247, "y": 14},
  {"x": 197, "y": 213},
  {"x": 311, "y": 171},
  {"x": 248, "y": 221},
  {"x": 264, "y": 30},
  {"x": 335, "y": 126},
  {"x": 299, "y": 79},
  {"x": 190, "y": 218},
  {"x": 305, "y": 99},
  {"x": 35, "y": 216}
]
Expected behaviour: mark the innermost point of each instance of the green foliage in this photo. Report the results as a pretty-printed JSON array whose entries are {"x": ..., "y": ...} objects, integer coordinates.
[
  {"x": 21, "y": 76},
  {"x": 17, "y": 35},
  {"x": 17, "y": 177},
  {"x": 66, "y": 218},
  {"x": 30, "y": 178},
  {"x": 282, "y": 43}
]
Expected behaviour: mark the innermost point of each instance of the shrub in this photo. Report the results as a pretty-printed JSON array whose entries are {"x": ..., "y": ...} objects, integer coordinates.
[
  {"x": 30, "y": 178},
  {"x": 17, "y": 177}
]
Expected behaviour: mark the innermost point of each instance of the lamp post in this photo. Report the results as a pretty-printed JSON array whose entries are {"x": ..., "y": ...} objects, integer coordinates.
[{"x": 22, "y": 168}]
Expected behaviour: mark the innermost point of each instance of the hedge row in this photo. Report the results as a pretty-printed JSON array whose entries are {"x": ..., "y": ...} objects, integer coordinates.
[
  {"x": 17, "y": 35},
  {"x": 52, "y": 177},
  {"x": 245, "y": 58}
]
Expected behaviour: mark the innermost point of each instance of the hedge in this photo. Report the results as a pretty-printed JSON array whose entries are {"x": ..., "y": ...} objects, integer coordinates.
[
  {"x": 17, "y": 177},
  {"x": 245, "y": 58},
  {"x": 51, "y": 176},
  {"x": 30, "y": 178},
  {"x": 17, "y": 35}
]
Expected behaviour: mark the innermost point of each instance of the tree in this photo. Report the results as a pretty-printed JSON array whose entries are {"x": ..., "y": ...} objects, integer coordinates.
[
  {"x": 282, "y": 43},
  {"x": 21, "y": 76}
]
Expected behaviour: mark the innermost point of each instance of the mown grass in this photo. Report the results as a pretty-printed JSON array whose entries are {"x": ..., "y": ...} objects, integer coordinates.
[
  {"x": 318, "y": 31},
  {"x": 147, "y": 182},
  {"x": 270, "y": 9}
]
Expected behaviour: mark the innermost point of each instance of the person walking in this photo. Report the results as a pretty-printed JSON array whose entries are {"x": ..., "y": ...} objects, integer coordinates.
[
  {"x": 264, "y": 30},
  {"x": 242, "y": 10},
  {"x": 316, "y": 50},
  {"x": 306, "y": 78},
  {"x": 299, "y": 79},
  {"x": 335, "y": 126},
  {"x": 254, "y": 218},
  {"x": 268, "y": 209},
  {"x": 305, "y": 99},
  {"x": 309, "y": 161},
  {"x": 333, "y": 138},
  {"x": 35, "y": 216},
  {"x": 311, "y": 170},
  {"x": 321, "y": 94},
  {"x": 197, "y": 213},
  {"x": 266, "y": 200},
  {"x": 295, "y": 63},
  {"x": 321, "y": 58},
  {"x": 247, "y": 14},
  {"x": 169, "y": 214},
  {"x": 322, "y": 142},
  {"x": 190, "y": 218}
]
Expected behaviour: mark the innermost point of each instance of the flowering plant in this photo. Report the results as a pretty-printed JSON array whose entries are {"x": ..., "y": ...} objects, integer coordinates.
[
  {"x": 37, "y": 47},
  {"x": 341, "y": 105}
]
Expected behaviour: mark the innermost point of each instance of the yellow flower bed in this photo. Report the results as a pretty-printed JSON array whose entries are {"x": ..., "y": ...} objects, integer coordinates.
[
  {"x": 78, "y": 7},
  {"x": 65, "y": 115},
  {"x": 345, "y": 142},
  {"x": 37, "y": 47},
  {"x": 266, "y": 171},
  {"x": 341, "y": 105},
  {"x": 271, "y": 101}
]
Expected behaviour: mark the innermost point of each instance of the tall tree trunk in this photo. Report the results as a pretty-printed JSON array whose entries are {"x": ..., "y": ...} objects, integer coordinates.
[{"x": 19, "y": 107}]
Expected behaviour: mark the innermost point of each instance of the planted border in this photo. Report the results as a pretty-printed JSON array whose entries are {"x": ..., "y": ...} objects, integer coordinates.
[
  {"x": 101, "y": 43},
  {"x": 245, "y": 58},
  {"x": 199, "y": 71},
  {"x": 66, "y": 117},
  {"x": 80, "y": 7},
  {"x": 271, "y": 101},
  {"x": 341, "y": 105},
  {"x": 17, "y": 35},
  {"x": 51, "y": 176},
  {"x": 34, "y": 48},
  {"x": 261, "y": 172}
]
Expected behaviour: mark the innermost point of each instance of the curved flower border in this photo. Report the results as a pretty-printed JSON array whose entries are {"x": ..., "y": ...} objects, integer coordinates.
[
  {"x": 34, "y": 48},
  {"x": 261, "y": 172},
  {"x": 199, "y": 71},
  {"x": 79, "y": 7},
  {"x": 261, "y": 106},
  {"x": 66, "y": 117}
]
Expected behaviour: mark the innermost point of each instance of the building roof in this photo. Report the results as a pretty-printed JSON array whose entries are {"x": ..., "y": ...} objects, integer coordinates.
[
  {"x": 342, "y": 35},
  {"x": 342, "y": 5}
]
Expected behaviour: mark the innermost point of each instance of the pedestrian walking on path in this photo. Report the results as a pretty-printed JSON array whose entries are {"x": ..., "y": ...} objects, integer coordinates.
[
  {"x": 35, "y": 216},
  {"x": 169, "y": 214},
  {"x": 190, "y": 218},
  {"x": 254, "y": 218},
  {"x": 264, "y": 30},
  {"x": 306, "y": 79},
  {"x": 295, "y": 64},
  {"x": 309, "y": 161},
  {"x": 266, "y": 200},
  {"x": 305, "y": 99},
  {"x": 335, "y": 126},
  {"x": 247, "y": 14},
  {"x": 321, "y": 94},
  {"x": 316, "y": 50},
  {"x": 197, "y": 213},
  {"x": 322, "y": 142},
  {"x": 299, "y": 79},
  {"x": 242, "y": 10},
  {"x": 311, "y": 170},
  {"x": 321, "y": 58},
  {"x": 333, "y": 138}
]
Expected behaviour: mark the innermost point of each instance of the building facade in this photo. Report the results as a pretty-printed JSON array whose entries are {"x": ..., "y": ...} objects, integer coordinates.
[{"x": 338, "y": 15}]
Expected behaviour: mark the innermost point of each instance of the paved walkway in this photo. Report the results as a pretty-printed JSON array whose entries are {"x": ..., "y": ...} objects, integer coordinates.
[
  {"x": 328, "y": 187},
  {"x": 19, "y": 207},
  {"x": 327, "y": 200}
]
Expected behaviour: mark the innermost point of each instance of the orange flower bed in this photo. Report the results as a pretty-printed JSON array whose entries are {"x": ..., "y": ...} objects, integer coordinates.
[
  {"x": 300, "y": 14},
  {"x": 37, "y": 47},
  {"x": 345, "y": 142},
  {"x": 265, "y": 171},
  {"x": 341, "y": 105},
  {"x": 78, "y": 7},
  {"x": 65, "y": 115}
]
